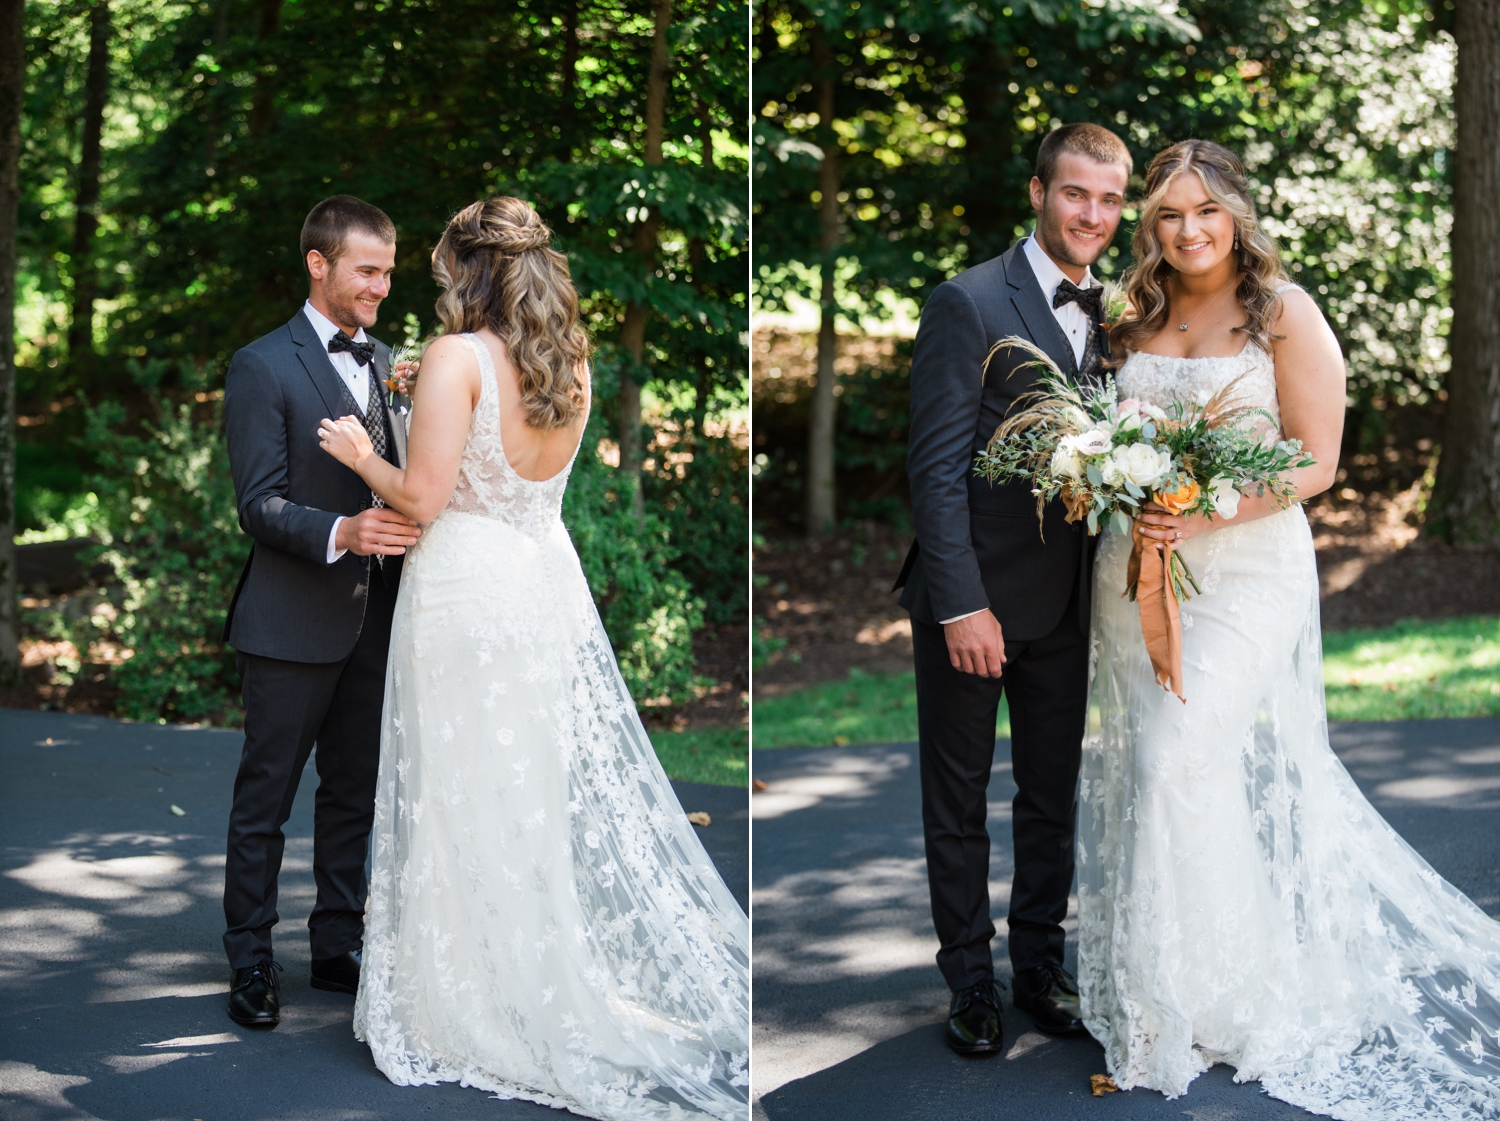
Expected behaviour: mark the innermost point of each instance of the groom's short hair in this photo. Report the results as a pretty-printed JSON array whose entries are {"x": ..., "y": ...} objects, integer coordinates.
[
  {"x": 1094, "y": 141},
  {"x": 329, "y": 224}
]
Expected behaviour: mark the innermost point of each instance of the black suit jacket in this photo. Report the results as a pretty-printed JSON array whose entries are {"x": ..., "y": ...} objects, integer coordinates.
[
  {"x": 978, "y": 545},
  {"x": 291, "y": 603}
]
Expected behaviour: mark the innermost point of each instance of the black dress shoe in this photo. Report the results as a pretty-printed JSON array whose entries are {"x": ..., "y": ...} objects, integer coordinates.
[
  {"x": 255, "y": 995},
  {"x": 974, "y": 1020},
  {"x": 337, "y": 975},
  {"x": 1050, "y": 994}
]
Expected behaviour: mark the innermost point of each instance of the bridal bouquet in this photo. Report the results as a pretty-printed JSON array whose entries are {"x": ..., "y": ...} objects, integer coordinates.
[{"x": 1105, "y": 458}]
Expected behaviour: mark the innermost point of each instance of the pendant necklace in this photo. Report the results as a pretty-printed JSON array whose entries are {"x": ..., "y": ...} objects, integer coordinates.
[{"x": 1205, "y": 307}]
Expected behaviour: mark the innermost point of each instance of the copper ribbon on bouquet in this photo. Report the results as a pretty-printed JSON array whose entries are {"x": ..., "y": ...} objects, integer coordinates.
[{"x": 1149, "y": 572}]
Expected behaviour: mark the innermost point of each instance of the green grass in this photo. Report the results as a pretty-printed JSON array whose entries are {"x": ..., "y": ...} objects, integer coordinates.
[
  {"x": 714, "y": 755},
  {"x": 1414, "y": 671},
  {"x": 1408, "y": 671},
  {"x": 864, "y": 708}
]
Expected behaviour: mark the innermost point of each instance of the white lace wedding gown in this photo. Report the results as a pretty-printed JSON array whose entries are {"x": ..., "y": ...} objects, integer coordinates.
[
  {"x": 542, "y": 922},
  {"x": 1239, "y": 899}
]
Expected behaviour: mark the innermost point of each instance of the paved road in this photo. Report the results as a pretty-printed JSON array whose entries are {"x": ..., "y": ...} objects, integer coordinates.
[
  {"x": 112, "y": 977},
  {"x": 849, "y": 1004}
]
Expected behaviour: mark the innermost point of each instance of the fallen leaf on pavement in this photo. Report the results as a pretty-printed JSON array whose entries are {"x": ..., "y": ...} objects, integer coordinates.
[
  {"x": 760, "y": 784},
  {"x": 179, "y": 811},
  {"x": 1102, "y": 1084},
  {"x": 698, "y": 817}
]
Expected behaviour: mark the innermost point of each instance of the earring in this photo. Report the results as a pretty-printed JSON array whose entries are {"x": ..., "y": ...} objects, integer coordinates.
[{"x": 1236, "y": 239}]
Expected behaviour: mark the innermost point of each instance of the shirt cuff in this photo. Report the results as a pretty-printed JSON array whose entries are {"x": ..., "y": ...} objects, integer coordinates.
[
  {"x": 333, "y": 535},
  {"x": 965, "y": 615}
]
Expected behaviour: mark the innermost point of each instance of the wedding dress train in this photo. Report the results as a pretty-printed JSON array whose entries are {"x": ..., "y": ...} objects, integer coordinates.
[
  {"x": 543, "y": 923},
  {"x": 1240, "y": 901}
]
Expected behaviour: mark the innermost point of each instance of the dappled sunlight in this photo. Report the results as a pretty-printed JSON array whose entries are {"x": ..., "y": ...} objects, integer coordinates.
[{"x": 844, "y": 778}]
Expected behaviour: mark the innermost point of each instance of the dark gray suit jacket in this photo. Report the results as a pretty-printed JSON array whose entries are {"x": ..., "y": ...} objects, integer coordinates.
[
  {"x": 978, "y": 544},
  {"x": 291, "y": 603}
]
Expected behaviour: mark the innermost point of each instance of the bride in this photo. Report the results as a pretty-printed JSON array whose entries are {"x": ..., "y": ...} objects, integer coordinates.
[
  {"x": 1239, "y": 899},
  {"x": 542, "y": 923}
]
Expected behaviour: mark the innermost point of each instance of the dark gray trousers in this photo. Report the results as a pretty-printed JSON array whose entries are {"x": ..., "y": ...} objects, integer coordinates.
[
  {"x": 290, "y": 706},
  {"x": 1045, "y": 683}
]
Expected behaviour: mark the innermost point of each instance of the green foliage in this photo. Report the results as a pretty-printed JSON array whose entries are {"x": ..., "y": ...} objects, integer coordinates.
[
  {"x": 720, "y": 756},
  {"x": 221, "y": 133},
  {"x": 647, "y": 605},
  {"x": 1341, "y": 110},
  {"x": 170, "y": 537}
]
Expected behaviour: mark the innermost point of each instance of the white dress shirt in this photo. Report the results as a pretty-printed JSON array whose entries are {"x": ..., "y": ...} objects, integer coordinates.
[
  {"x": 1070, "y": 317},
  {"x": 356, "y": 378}
]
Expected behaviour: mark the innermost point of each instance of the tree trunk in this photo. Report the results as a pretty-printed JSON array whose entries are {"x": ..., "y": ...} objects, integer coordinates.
[
  {"x": 993, "y": 201},
  {"x": 86, "y": 218},
  {"x": 12, "y": 87},
  {"x": 1466, "y": 498},
  {"x": 633, "y": 331},
  {"x": 263, "y": 103},
  {"x": 821, "y": 512}
]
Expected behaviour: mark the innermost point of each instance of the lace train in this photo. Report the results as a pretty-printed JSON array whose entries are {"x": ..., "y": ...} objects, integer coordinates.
[
  {"x": 543, "y": 922},
  {"x": 1240, "y": 900}
]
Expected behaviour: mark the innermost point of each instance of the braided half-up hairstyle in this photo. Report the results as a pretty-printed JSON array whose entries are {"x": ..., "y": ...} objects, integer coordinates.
[
  {"x": 1259, "y": 259},
  {"x": 497, "y": 269}
]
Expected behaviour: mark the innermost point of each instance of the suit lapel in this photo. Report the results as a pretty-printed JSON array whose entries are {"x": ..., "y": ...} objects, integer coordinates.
[
  {"x": 380, "y": 367},
  {"x": 315, "y": 361},
  {"x": 1041, "y": 324}
]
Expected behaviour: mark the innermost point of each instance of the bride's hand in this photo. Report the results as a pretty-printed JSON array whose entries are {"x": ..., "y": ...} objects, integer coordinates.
[
  {"x": 1156, "y": 524},
  {"x": 346, "y": 440}
]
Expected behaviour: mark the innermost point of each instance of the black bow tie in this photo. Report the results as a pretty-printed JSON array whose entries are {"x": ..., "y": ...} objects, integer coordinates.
[
  {"x": 362, "y": 352},
  {"x": 1091, "y": 300}
]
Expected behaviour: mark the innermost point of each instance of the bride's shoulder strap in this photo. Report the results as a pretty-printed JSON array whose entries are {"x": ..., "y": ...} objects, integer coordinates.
[{"x": 1280, "y": 288}]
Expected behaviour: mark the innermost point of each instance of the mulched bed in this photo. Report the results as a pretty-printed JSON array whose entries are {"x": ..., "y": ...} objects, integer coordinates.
[{"x": 829, "y": 608}]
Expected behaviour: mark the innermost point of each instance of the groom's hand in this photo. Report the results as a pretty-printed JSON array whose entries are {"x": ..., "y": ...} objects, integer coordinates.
[
  {"x": 377, "y": 530},
  {"x": 975, "y": 644}
]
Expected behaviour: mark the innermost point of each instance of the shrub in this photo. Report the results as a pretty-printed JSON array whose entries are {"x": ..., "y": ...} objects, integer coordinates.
[
  {"x": 169, "y": 533},
  {"x": 647, "y": 604}
]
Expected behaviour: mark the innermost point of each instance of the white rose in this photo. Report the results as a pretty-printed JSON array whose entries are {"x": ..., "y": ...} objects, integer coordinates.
[
  {"x": 1224, "y": 495},
  {"x": 1065, "y": 462},
  {"x": 1111, "y": 472},
  {"x": 1096, "y": 441},
  {"x": 1142, "y": 464},
  {"x": 1153, "y": 412}
]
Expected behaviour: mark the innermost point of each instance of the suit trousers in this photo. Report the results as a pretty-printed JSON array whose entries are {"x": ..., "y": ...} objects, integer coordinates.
[
  {"x": 289, "y": 706},
  {"x": 1045, "y": 682}
]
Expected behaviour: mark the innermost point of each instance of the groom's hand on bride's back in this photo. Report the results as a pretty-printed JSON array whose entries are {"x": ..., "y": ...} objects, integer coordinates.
[
  {"x": 975, "y": 644},
  {"x": 377, "y": 531}
]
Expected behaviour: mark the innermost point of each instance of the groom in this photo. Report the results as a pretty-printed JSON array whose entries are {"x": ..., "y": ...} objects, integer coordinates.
[
  {"x": 311, "y": 618},
  {"x": 997, "y": 606}
]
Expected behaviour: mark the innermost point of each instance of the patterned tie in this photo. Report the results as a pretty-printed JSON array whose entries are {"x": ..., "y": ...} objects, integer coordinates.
[{"x": 373, "y": 418}]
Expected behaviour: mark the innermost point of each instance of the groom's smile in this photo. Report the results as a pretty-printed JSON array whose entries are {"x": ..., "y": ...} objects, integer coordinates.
[{"x": 1079, "y": 211}]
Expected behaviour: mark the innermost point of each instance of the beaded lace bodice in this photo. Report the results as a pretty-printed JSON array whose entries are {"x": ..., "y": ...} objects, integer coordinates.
[
  {"x": 487, "y": 484},
  {"x": 1162, "y": 379}
]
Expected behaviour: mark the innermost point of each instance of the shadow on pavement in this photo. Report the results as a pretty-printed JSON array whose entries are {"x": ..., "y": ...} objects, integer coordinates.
[
  {"x": 111, "y": 967},
  {"x": 848, "y": 1000}
]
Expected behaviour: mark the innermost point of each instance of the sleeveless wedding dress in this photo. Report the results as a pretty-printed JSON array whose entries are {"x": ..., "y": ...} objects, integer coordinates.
[
  {"x": 1239, "y": 899},
  {"x": 542, "y": 922}
]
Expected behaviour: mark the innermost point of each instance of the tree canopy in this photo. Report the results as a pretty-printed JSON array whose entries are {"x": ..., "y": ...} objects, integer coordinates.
[
  {"x": 1342, "y": 112},
  {"x": 223, "y": 123}
]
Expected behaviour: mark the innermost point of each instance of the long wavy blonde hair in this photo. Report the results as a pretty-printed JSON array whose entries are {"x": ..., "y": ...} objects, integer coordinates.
[
  {"x": 1223, "y": 177},
  {"x": 496, "y": 268}
]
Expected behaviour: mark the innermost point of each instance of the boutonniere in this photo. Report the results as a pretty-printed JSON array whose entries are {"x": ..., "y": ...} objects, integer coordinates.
[{"x": 404, "y": 365}]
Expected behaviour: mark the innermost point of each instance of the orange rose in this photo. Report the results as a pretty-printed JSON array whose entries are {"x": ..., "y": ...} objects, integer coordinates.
[{"x": 1176, "y": 501}]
